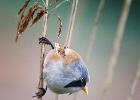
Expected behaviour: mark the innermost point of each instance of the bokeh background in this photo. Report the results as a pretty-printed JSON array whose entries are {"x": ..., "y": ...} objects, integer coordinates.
[{"x": 19, "y": 63}]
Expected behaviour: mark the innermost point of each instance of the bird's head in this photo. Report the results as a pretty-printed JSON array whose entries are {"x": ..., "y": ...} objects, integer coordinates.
[{"x": 61, "y": 49}]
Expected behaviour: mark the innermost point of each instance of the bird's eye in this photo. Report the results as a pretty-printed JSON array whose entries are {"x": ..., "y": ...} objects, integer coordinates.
[
  {"x": 65, "y": 47},
  {"x": 81, "y": 79},
  {"x": 58, "y": 51}
]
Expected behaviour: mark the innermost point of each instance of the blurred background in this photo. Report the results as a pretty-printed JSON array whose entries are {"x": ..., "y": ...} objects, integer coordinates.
[{"x": 19, "y": 63}]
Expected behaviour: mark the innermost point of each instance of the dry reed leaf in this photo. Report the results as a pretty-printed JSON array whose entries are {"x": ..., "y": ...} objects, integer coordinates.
[
  {"x": 24, "y": 20},
  {"x": 22, "y": 9},
  {"x": 18, "y": 27},
  {"x": 21, "y": 17},
  {"x": 34, "y": 10},
  {"x": 38, "y": 16}
]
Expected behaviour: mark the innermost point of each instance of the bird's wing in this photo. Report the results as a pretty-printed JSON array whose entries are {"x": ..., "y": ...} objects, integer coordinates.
[
  {"x": 82, "y": 68},
  {"x": 75, "y": 83},
  {"x": 79, "y": 71}
]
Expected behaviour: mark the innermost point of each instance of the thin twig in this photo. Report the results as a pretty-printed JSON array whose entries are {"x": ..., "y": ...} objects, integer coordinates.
[
  {"x": 44, "y": 3},
  {"x": 71, "y": 22},
  {"x": 53, "y": 2},
  {"x": 57, "y": 6},
  {"x": 135, "y": 83},
  {"x": 116, "y": 48},
  {"x": 70, "y": 28},
  {"x": 94, "y": 30},
  {"x": 42, "y": 56}
]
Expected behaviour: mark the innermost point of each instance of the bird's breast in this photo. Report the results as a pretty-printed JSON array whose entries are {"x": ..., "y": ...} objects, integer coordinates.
[{"x": 57, "y": 76}]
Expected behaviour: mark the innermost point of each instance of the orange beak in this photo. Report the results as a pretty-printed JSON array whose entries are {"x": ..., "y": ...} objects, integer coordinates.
[{"x": 85, "y": 89}]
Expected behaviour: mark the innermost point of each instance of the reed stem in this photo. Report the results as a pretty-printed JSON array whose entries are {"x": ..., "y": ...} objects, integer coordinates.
[
  {"x": 42, "y": 55},
  {"x": 71, "y": 23},
  {"x": 94, "y": 30},
  {"x": 116, "y": 48},
  {"x": 135, "y": 83}
]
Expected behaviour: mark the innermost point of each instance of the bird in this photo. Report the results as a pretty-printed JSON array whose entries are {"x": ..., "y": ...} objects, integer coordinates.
[{"x": 65, "y": 71}]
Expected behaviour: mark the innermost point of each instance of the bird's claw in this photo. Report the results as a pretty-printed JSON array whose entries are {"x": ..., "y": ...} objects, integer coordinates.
[
  {"x": 41, "y": 92},
  {"x": 44, "y": 40}
]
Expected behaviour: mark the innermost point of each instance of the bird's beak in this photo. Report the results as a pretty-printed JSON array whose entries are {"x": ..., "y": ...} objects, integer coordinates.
[{"x": 85, "y": 89}]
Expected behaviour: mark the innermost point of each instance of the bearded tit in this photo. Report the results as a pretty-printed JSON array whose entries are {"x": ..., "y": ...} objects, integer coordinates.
[{"x": 65, "y": 71}]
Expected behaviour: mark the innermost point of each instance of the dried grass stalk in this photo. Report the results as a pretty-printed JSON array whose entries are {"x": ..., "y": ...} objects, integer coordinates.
[
  {"x": 24, "y": 20},
  {"x": 60, "y": 27},
  {"x": 71, "y": 22}
]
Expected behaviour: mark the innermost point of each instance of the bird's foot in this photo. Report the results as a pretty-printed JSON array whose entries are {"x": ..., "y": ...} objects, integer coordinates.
[
  {"x": 41, "y": 92},
  {"x": 44, "y": 40}
]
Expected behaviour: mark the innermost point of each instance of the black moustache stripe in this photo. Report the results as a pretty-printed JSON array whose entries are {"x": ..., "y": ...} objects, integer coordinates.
[{"x": 76, "y": 83}]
